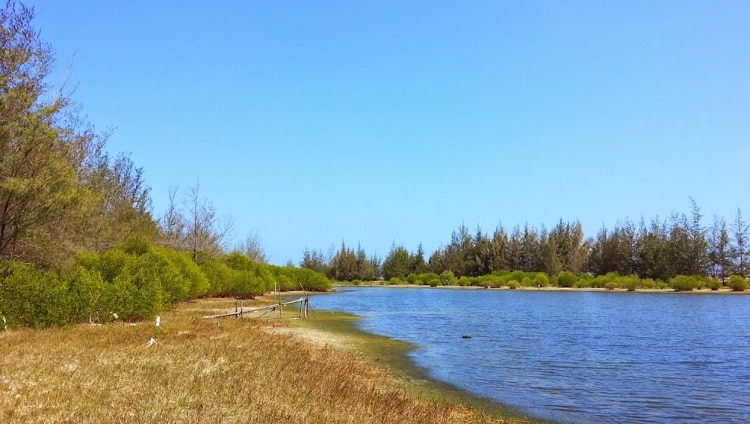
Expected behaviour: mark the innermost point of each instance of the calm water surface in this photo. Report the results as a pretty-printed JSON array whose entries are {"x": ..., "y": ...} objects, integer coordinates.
[{"x": 574, "y": 357}]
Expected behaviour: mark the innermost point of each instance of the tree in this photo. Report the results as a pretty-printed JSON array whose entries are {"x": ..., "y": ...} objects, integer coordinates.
[
  {"x": 398, "y": 263},
  {"x": 344, "y": 265},
  {"x": 498, "y": 256},
  {"x": 614, "y": 251},
  {"x": 419, "y": 266},
  {"x": 120, "y": 203},
  {"x": 530, "y": 255},
  {"x": 204, "y": 232},
  {"x": 571, "y": 249},
  {"x": 605, "y": 254},
  {"x": 739, "y": 247},
  {"x": 483, "y": 253},
  {"x": 552, "y": 263},
  {"x": 698, "y": 263},
  {"x": 37, "y": 181},
  {"x": 514, "y": 256},
  {"x": 719, "y": 249},
  {"x": 315, "y": 260},
  {"x": 253, "y": 248},
  {"x": 437, "y": 262},
  {"x": 59, "y": 193},
  {"x": 461, "y": 254},
  {"x": 376, "y": 266},
  {"x": 366, "y": 268},
  {"x": 653, "y": 251},
  {"x": 173, "y": 225}
]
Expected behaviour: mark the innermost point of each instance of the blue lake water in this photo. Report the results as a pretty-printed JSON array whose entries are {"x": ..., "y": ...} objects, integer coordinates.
[{"x": 574, "y": 357}]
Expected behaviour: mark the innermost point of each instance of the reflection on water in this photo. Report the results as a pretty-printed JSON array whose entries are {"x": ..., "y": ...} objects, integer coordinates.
[{"x": 575, "y": 357}]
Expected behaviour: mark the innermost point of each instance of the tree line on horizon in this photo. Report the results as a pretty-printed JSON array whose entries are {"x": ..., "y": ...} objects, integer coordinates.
[{"x": 658, "y": 250}]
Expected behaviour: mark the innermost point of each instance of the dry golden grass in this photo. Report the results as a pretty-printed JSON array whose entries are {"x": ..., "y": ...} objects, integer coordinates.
[{"x": 201, "y": 371}]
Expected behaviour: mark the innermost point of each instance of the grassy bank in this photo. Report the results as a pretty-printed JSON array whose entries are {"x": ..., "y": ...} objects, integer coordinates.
[{"x": 228, "y": 370}]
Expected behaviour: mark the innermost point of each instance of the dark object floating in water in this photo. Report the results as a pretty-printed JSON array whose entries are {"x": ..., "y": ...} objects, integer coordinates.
[{"x": 465, "y": 337}]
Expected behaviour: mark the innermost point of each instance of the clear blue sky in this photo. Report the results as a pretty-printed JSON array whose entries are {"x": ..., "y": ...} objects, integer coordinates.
[{"x": 373, "y": 122}]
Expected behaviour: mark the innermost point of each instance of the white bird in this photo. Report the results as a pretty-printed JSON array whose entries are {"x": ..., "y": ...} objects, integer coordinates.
[{"x": 151, "y": 342}]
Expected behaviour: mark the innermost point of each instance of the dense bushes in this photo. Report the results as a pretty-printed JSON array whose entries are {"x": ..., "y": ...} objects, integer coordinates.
[
  {"x": 565, "y": 279},
  {"x": 31, "y": 298},
  {"x": 737, "y": 283},
  {"x": 140, "y": 279},
  {"x": 237, "y": 276},
  {"x": 495, "y": 280},
  {"x": 301, "y": 279},
  {"x": 134, "y": 282},
  {"x": 685, "y": 283}
]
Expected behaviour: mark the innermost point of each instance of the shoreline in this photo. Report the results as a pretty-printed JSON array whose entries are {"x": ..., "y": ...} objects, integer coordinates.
[
  {"x": 722, "y": 291},
  {"x": 339, "y": 330}
]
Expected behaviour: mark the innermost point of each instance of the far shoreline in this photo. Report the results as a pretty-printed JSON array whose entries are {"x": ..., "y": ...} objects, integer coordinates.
[{"x": 722, "y": 291}]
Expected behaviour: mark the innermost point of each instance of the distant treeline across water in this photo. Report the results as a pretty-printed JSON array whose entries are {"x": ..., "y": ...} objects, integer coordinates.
[{"x": 656, "y": 252}]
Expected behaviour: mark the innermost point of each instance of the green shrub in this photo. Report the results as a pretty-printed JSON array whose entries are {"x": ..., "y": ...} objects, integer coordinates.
[
  {"x": 146, "y": 294},
  {"x": 515, "y": 275},
  {"x": 356, "y": 282},
  {"x": 219, "y": 277},
  {"x": 157, "y": 273},
  {"x": 541, "y": 279},
  {"x": 239, "y": 262},
  {"x": 566, "y": 279},
  {"x": 34, "y": 298},
  {"x": 109, "y": 263},
  {"x": 136, "y": 246},
  {"x": 684, "y": 283},
  {"x": 630, "y": 282},
  {"x": 586, "y": 277},
  {"x": 600, "y": 281},
  {"x": 661, "y": 284},
  {"x": 429, "y": 279},
  {"x": 412, "y": 278},
  {"x": 648, "y": 283},
  {"x": 309, "y": 279},
  {"x": 737, "y": 283},
  {"x": 465, "y": 281},
  {"x": 138, "y": 280},
  {"x": 714, "y": 284},
  {"x": 583, "y": 284},
  {"x": 87, "y": 295},
  {"x": 611, "y": 285},
  {"x": 512, "y": 284},
  {"x": 283, "y": 278},
  {"x": 447, "y": 278},
  {"x": 191, "y": 273},
  {"x": 490, "y": 280}
]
